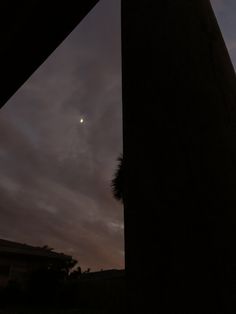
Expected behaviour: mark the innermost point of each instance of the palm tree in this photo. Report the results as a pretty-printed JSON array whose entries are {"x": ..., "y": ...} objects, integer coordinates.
[{"x": 117, "y": 181}]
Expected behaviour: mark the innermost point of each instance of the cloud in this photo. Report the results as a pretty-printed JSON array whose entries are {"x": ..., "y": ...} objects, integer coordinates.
[
  {"x": 55, "y": 172},
  {"x": 225, "y": 13}
]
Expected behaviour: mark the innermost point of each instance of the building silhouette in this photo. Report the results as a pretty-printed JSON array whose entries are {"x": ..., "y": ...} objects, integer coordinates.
[
  {"x": 19, "y": 261},
  {"x": 179, "y": 161}
]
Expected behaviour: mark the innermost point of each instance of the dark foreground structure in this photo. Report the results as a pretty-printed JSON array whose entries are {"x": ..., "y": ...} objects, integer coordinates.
[
  {"x": 179, "y": 101},
  {"x": 19, "y": 261}
]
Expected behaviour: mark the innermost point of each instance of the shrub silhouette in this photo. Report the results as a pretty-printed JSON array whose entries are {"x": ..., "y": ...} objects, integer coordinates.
[{"x": 118, "y": 181}]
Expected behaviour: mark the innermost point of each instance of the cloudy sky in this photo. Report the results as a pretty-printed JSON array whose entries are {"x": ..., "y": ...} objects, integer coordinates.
[
  {"x": 225, "y": 11},
  {"x": 55, "y": 171}
]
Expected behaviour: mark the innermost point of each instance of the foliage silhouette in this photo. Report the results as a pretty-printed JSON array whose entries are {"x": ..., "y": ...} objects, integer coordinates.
[{"x": 118, "y": 181}]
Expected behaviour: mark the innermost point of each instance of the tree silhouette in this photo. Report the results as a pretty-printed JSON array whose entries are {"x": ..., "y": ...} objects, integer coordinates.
[{"x": 117, "y": 181}]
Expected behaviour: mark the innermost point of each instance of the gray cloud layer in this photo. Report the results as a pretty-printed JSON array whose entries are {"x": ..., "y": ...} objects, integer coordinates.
[
  {"x": 54, "y": 171},
  {"x": 225, "y": 11}
]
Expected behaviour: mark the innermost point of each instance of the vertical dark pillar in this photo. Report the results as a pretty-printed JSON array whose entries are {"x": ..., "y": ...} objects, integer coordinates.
[{"x": 179, "y": 101}]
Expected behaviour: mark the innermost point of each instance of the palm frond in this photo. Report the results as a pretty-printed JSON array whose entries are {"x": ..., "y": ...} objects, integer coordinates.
[{"x": 117, "y": 182}]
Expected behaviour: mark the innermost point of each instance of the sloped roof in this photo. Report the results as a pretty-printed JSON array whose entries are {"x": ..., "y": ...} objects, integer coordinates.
[{"x": 10, "y": 247}]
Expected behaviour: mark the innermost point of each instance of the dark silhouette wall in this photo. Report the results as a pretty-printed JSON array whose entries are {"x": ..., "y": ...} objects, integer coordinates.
[
  {"x": 30, "y": 31},
  {"x": 179, "y": 98}
]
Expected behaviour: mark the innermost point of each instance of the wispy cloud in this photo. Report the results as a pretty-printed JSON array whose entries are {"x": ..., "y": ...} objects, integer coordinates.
[{"x": 55, "y": 171}]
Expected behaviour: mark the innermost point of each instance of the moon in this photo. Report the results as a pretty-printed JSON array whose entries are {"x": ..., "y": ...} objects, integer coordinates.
[{"x": 81, "y": 120}]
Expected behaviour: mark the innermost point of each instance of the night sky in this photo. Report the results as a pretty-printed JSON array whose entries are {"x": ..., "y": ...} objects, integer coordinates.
[{"x": 60, "y": 136}]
